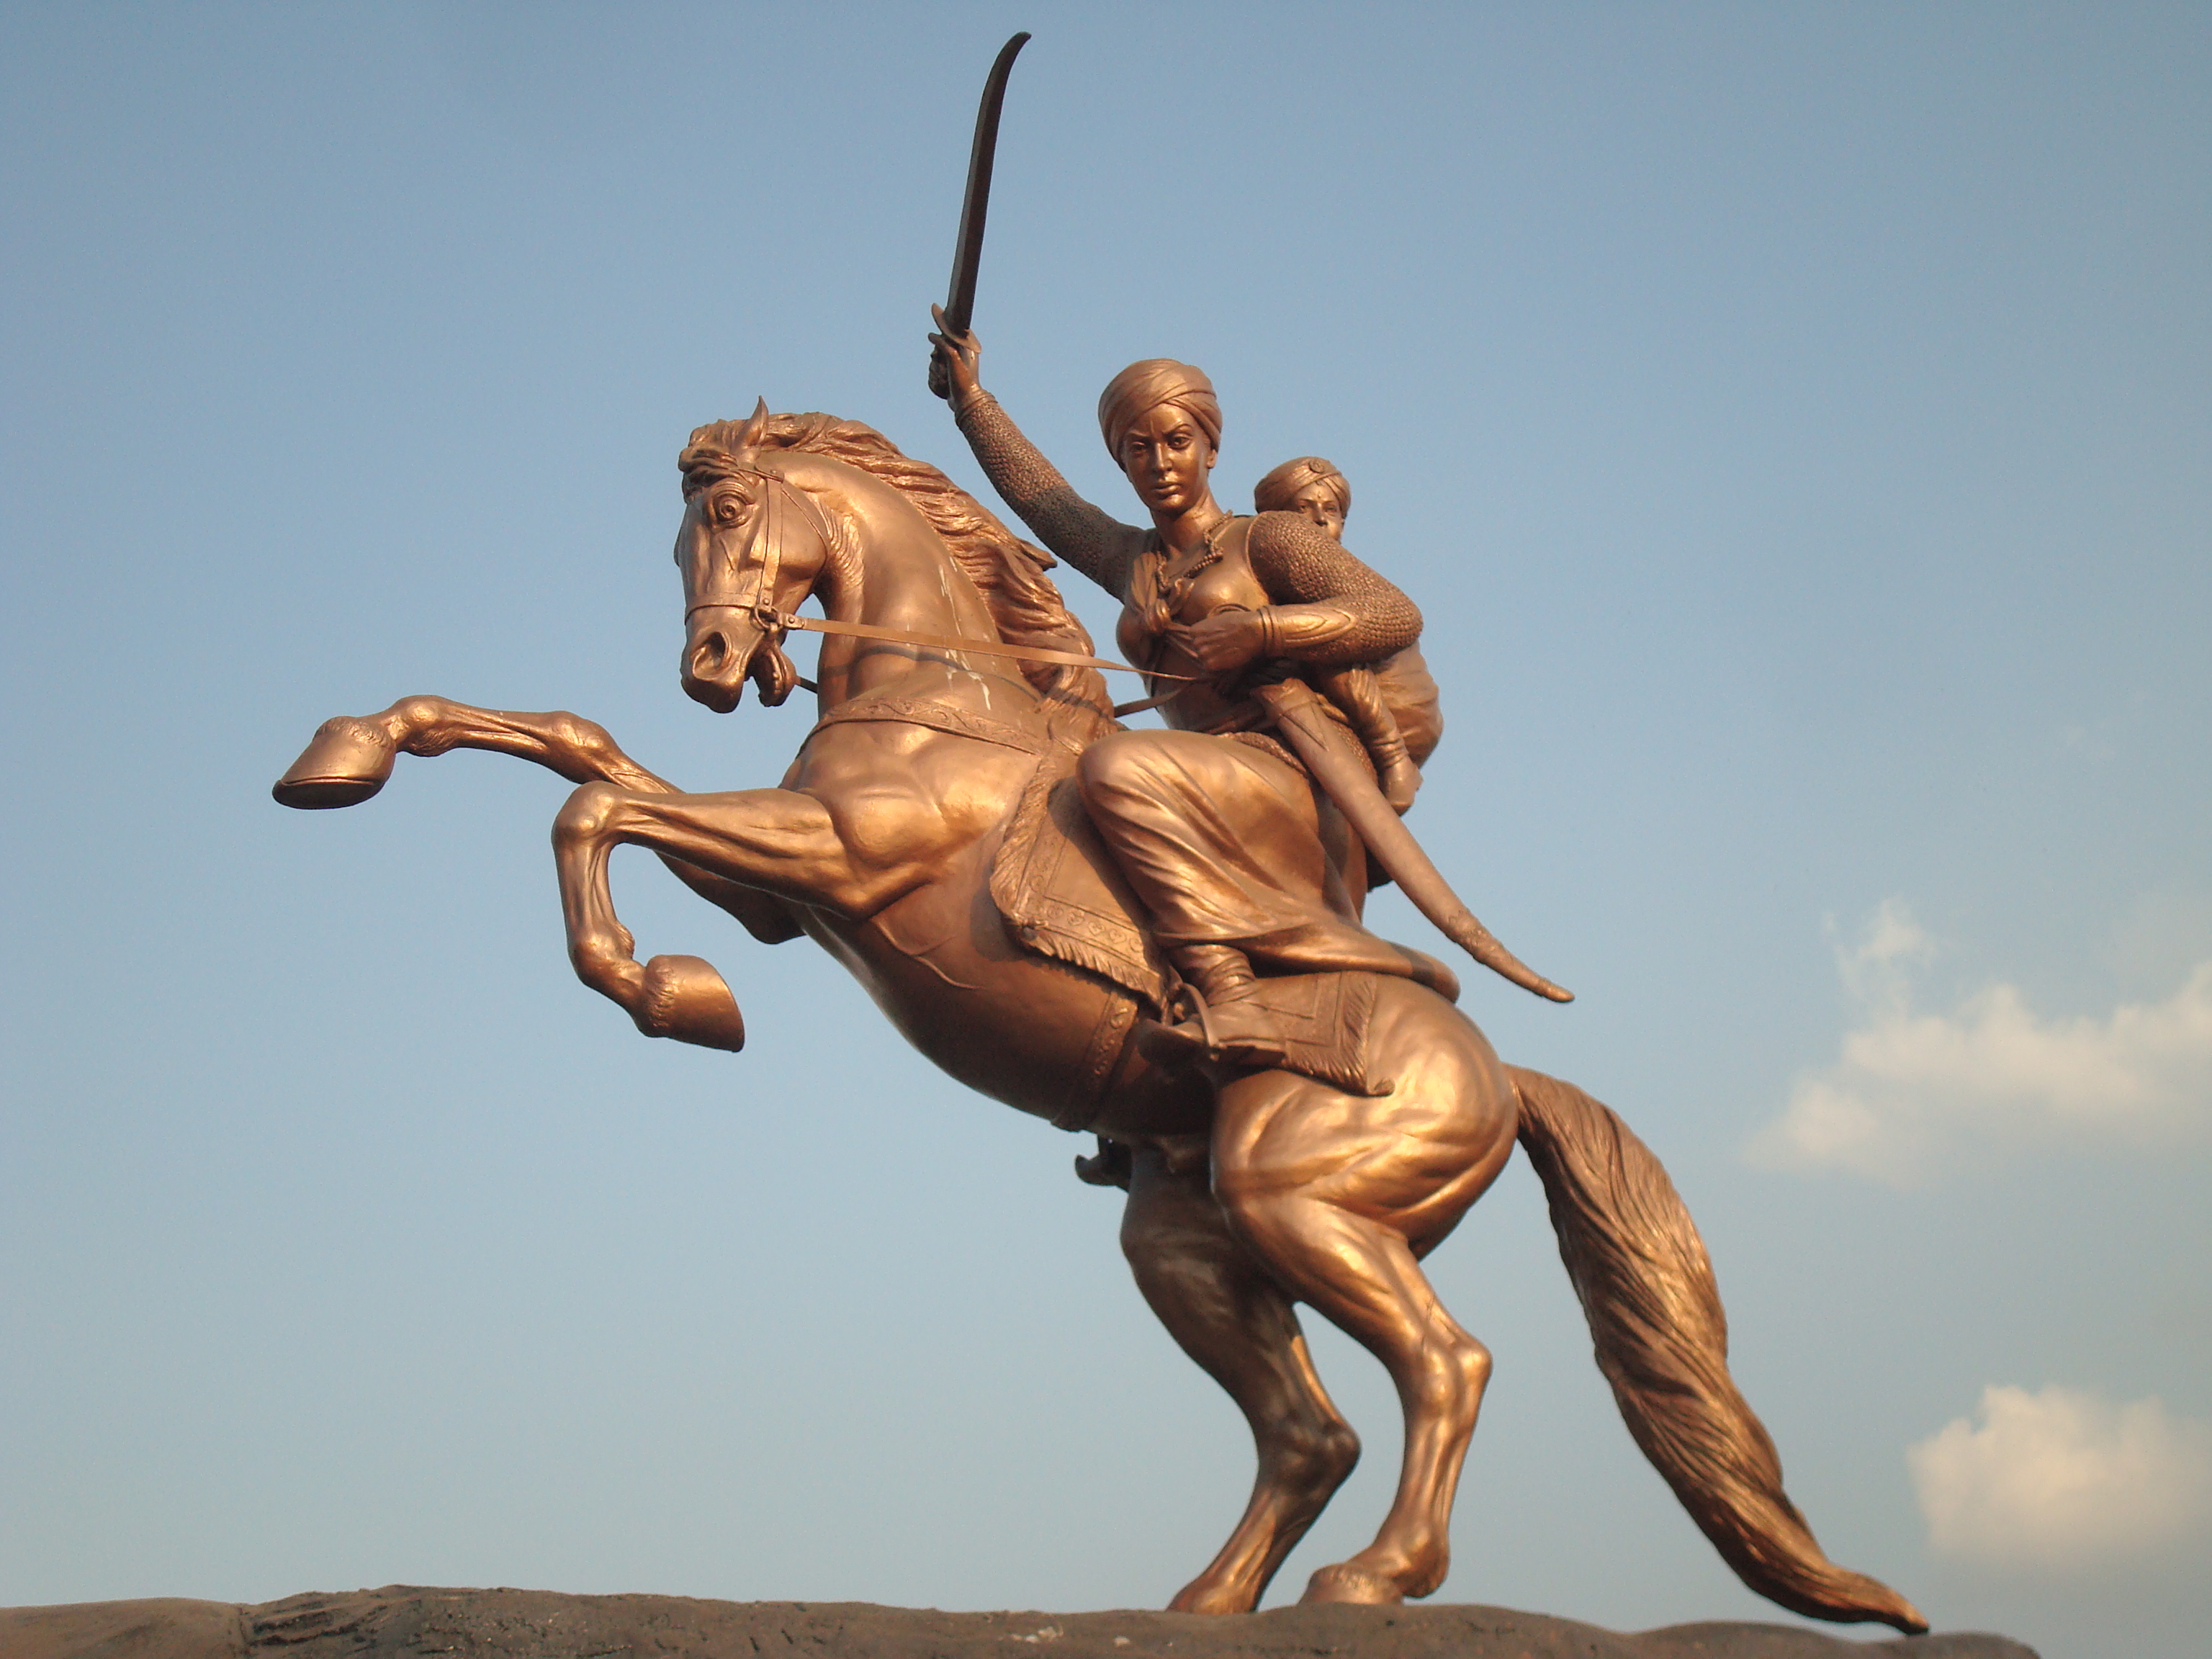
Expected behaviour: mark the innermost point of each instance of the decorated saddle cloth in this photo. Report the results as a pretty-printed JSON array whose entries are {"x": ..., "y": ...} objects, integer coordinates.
[{"x": 1059, "y": 890}]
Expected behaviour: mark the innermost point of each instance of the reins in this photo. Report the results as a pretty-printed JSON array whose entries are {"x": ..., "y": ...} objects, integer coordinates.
[
  {"x": 768, "y": 617},
  {"x": 761, "y": 609}
]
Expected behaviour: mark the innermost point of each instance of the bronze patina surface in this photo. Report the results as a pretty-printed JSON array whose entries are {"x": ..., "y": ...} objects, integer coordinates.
[
  {"x": 1253, "y": 1186},
  {"x": 1155, "y": 934}
]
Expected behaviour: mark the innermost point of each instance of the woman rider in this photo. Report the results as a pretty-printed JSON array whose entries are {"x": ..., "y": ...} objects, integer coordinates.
[{"x": 1235, "y": 854}]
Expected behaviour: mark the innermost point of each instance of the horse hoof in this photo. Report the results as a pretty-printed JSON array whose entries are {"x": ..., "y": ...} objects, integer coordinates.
[
  {"x": 685, "y": 998},
  {"x": 348, "y": 761},
  {"x": 1356, "y": 1585},
  {"x": 1213, "y": 1599}
]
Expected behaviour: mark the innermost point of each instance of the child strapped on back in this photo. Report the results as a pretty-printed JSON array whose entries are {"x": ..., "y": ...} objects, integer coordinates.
[{"x": 1391, "y": 705}]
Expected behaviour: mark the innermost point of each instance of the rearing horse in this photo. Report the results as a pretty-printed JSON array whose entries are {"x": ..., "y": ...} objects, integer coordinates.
[{"x": 1245, "y": 1199}]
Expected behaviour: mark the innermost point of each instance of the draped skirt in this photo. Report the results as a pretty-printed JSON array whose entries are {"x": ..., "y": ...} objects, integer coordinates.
[{"x": 1227, "y": 844}]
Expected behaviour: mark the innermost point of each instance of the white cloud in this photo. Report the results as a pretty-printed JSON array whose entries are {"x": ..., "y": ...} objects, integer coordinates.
[
  {"x": 2062, "y": 1479},
  {"x": 1910, "y": 1092}
]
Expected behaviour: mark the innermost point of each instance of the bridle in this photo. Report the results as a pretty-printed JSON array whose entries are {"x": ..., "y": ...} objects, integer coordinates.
[{"x": 760, "y": 604}]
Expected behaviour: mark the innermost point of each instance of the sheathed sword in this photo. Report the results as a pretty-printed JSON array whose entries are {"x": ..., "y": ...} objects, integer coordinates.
[
  {"x": 967, "y": 253},
  {"x": 1308, "y": 731}
]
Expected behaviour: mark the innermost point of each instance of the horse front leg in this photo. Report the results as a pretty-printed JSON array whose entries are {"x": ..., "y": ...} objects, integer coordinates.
[
  {"x": 776, "y": 841},
  {"x": 351, "y": 756}
]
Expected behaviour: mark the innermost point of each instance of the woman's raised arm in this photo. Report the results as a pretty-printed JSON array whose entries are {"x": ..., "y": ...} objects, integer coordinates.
[{"x": 1086, "y": 537}]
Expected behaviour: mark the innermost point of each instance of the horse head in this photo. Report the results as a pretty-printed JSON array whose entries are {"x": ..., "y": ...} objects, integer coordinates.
[{"x": 751, "y": 547}]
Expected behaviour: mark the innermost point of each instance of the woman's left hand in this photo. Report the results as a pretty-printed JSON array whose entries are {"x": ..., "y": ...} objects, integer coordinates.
[{"x": 1226, "y": 640}]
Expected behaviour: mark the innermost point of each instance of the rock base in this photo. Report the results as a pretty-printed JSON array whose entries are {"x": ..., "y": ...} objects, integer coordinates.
[{"x": 399, "y": 1622}]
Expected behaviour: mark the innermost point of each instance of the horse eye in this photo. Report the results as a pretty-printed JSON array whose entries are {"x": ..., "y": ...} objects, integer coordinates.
[{"x": 728, "y": 510}]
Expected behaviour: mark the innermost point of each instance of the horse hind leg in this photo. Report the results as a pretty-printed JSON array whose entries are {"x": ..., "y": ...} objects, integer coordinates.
[
  {"x": 1237, "y": 1322},
  {"x": 1334, "y": 1198},
  {"x": 1362, "y": 1277}
]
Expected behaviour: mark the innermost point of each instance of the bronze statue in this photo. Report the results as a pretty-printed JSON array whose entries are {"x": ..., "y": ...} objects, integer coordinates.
[
  {"x": 1152, "y": 934},
  {"x": 932, "y": 834}
]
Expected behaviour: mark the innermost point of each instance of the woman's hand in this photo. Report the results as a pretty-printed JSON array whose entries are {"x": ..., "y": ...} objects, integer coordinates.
[
  {"x": 952, "y": 372},
  {"x": 1226, "y": 640}
]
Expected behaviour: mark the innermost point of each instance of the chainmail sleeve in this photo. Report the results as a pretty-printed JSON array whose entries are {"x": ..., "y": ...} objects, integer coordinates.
[
  {"x": 1330, "y": 609},
  {"x": 1100, "y": 546}
]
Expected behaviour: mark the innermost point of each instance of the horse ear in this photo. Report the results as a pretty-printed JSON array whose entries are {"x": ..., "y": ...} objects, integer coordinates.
[{"x": 756, "y": 427}]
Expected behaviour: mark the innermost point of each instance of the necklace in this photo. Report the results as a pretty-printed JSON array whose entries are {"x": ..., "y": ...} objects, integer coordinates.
[
  {"x": 1209, "y": 551},
  {"x": 1156, "y": 595}
]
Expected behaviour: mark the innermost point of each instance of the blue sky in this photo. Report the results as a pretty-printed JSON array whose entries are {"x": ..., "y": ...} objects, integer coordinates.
[{"x": 1793, "y": 421}]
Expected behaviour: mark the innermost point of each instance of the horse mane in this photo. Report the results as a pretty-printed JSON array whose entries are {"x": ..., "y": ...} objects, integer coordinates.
[{"x": 1007, "y": 571}]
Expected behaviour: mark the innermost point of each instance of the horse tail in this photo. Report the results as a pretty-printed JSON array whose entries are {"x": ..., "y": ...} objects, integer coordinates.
[{"x": 1654, "y": 1312}]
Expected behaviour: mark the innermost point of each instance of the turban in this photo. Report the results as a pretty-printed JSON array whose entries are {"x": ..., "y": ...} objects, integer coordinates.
[
  {"x": 1279, "y": 491},
  {"x": 1142, "y": 387}
]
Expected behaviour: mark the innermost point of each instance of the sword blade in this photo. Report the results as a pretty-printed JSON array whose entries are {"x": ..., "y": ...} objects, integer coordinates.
[{"x": 967, "y": 253}]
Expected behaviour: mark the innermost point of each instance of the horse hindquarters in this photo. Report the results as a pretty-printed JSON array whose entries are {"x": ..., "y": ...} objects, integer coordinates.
[{"x": 1647, "y": 1288}]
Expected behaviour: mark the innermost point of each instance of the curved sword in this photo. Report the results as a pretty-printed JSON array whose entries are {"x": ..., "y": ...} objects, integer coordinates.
[
  {"x": 1308, "y": 731},
  {"x": 968, "y": 254}
]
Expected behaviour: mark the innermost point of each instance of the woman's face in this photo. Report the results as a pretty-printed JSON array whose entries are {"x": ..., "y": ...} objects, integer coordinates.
[
  {"x": 1317, "y": 500},
  {"x": 1167, "y": 458}
]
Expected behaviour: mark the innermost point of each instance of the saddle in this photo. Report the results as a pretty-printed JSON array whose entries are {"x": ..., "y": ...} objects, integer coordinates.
[{"x": 1063, "y": 897}]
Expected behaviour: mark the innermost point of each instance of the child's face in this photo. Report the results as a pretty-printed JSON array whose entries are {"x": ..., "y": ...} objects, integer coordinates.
[{"x": 1317, "y": 500}]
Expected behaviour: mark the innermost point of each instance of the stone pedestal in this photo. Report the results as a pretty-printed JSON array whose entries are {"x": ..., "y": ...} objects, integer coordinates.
[{"x": 399, "y": 1622}]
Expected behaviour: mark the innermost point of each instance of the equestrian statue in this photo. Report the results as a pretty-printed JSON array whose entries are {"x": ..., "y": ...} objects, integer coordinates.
[{"x": 1150, "y": 933}]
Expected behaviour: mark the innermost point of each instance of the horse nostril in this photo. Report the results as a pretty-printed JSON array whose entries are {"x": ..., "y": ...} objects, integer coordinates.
[{"x": 712, "y": 652}]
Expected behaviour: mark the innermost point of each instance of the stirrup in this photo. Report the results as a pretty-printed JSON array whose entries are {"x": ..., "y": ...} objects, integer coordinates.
[
  {"x": 1194, "y": 1037},
  {"x": 1171, "y": 1040}
]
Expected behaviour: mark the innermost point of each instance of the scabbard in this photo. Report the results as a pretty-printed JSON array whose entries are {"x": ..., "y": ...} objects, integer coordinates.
[{"x": 1314, "y": 739}]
